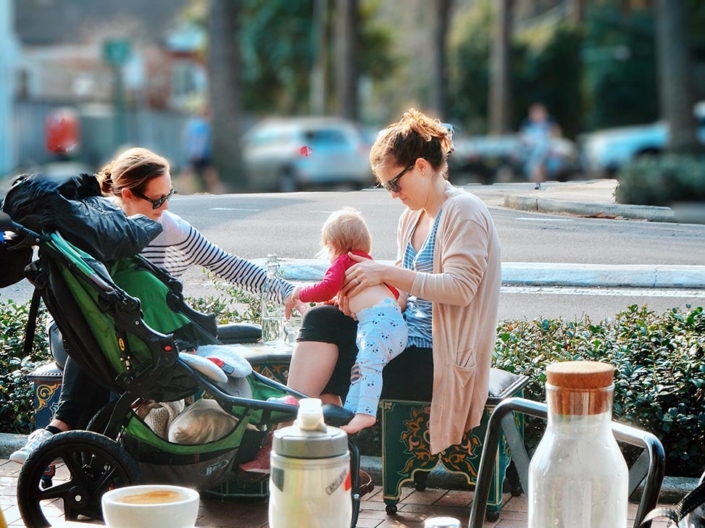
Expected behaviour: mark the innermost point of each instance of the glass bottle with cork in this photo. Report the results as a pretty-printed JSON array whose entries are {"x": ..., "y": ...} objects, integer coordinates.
[{"x": 578, "y": 477}]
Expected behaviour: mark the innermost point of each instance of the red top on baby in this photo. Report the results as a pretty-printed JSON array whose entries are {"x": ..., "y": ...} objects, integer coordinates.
[{"x": 333, "y": 280}]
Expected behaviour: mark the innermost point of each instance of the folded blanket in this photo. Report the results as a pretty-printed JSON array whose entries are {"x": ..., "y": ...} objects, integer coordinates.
[
  {"x": 218, "y": 362},
  {"x": 204, "y": 421},
  {"x": 160, "y": 415}
]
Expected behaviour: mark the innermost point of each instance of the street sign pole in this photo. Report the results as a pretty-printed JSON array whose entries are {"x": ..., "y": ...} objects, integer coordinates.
[
  {"x": 116, "y": 53},
  {"x": 120, "y": 116}
]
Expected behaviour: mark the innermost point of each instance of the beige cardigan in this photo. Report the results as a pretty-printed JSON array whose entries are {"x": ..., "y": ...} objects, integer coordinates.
[{"x": 464, "y": 289}]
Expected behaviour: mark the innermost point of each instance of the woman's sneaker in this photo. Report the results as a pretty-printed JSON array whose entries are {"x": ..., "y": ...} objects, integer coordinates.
[{"x": 35, "y": 440}]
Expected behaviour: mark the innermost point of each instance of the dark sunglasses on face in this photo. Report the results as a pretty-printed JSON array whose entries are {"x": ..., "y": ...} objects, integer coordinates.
[
  {"x": 156, "y": 204},
  {"x": 393, "y": 184}
]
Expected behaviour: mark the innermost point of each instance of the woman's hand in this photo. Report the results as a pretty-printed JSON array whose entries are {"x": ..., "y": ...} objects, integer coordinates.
[
  {"x": 343, "y": 303},
  {"x": 362, "y": 275},
  {"x": 293, "y": 301}
]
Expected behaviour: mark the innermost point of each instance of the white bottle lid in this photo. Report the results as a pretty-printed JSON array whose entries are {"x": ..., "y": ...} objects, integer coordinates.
[
  {"x": 310, "y": 415},
  {"x": 442, "y": 522},
  {"x": 310, "y": 437}
]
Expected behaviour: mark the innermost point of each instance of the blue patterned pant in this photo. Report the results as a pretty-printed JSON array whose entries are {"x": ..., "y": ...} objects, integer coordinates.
[{"x": 381, "y": 336}]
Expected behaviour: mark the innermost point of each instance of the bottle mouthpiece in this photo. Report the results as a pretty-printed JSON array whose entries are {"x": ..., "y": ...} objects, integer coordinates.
[{"x": 310, "y": 415}]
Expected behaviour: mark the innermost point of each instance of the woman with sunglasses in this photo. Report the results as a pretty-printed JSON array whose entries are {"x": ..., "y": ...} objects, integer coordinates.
[
  {"x": 139, "y": 181},
  {"x": 449, "y": 269}
]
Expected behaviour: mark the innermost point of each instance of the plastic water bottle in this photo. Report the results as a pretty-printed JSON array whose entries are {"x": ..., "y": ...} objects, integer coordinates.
[
  {"x": 310, "y": 483},
  {"x": 273, "y": 320},
  {"x": 578, "y": 477}
]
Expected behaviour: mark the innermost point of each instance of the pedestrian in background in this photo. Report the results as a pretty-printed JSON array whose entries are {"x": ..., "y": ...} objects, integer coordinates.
[
  {"x": 198, "y": 147},
  {"x": 535, "y": 135}
]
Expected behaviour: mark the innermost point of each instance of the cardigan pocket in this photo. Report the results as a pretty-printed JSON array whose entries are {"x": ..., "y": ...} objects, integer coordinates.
[
  {"x": 465, "y": 359},
  {"x": 464, "y": 374}
]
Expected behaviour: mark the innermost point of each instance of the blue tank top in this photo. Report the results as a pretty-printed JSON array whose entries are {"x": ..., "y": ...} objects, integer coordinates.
[{"x": 418, "y": 314}]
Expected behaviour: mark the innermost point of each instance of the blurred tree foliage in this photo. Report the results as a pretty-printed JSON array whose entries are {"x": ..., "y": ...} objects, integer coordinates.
[
  {"x": 549, "y": 70},
  {"x": 277, "y": 44},
  {"x": 620, "y": 67},
  {"x": 546, "y": 68},
  {"x": 600, "y": 74}
]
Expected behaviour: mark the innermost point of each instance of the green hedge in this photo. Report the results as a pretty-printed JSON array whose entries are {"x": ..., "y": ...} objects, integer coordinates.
[
  {"x": 662, "y": 180},
  {"x": 16, "y": 397},
  {"x": 659, "y": 381},
  {"x": 659, "y": 378}
]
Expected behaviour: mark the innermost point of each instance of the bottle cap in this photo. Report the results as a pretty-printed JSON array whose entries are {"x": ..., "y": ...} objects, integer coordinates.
[
  {"x": 310, "y": 437},
  {"x": 580, "y": 374},
  {"x": 579, "y": 387},
  {"x": 310, "y": 415}
]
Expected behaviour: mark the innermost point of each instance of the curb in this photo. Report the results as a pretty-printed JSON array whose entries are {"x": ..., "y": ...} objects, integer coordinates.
[
  {"x": 548, "y": 205},
  {"x": 549, "y": 274},
  {"x": 603, "y": 275}
]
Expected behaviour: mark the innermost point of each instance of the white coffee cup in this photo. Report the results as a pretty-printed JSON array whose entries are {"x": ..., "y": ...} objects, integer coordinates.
[{"x": 151, "y": 506}]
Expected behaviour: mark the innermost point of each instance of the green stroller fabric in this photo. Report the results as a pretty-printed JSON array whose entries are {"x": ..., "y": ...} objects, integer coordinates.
[{"x": 139, "y": 324}]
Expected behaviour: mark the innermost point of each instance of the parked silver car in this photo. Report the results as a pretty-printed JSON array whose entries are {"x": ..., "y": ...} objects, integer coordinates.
[
  {"x": 288, "y": 154},
  {"x": 490, "y": 159},
  {"x": 604, "y": 152}
]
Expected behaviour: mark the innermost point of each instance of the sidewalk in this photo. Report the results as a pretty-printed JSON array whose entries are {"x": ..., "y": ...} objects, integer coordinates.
[
  {"x": 414, "y": 508},
  {"x": 593, "y": 198}
]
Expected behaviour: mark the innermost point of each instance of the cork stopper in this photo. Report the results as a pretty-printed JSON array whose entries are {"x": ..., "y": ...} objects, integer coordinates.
[{"x": 580, "y": 387}]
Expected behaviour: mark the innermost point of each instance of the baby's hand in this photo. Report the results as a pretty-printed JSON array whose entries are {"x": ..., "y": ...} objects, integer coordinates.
[
  {"x": 291, "y": 301},
  {"x": 358, "y": 423}
]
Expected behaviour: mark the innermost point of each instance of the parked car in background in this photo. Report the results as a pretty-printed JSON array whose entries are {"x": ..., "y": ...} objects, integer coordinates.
[
  {"x": 289, "y": 154},
  {"x": 605, "y": 151},
  {"x": 490, "y": 159}
]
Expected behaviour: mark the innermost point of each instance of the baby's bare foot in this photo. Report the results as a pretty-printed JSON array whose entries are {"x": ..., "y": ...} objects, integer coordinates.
[{"x": 358, "y": 423}]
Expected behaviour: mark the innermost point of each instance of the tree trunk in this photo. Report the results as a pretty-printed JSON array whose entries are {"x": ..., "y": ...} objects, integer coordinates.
[
  {"x": 318, "y": 73},
  {"x": 500, "y": 71},
  {"x": 439, "y": 78},
  {"x": 347, "y": 39},
  {"x": 224, "y": 87},
  {"x": 677, "y": 95}
]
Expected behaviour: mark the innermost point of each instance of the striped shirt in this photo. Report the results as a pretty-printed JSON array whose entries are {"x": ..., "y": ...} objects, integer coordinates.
[
  {"x": 180, "y": 246},
  {"x": 418, "y": 311}
]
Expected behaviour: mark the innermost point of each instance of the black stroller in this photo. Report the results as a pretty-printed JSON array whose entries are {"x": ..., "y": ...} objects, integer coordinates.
[{"x": 125, "y": 323}]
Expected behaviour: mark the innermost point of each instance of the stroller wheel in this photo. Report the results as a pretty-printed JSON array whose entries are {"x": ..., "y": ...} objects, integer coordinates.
[{"x": 87, "y": 465}]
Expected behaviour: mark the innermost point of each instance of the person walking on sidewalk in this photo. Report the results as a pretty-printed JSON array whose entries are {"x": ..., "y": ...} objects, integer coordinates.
[
  {"x": 381, "y": 330},
  {"x": 535, "y": 134},
  {"x": 139, "y": 181}
]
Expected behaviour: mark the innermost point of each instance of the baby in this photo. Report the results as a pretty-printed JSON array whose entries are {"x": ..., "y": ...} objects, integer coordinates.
[{"x": 381, "y": 330}]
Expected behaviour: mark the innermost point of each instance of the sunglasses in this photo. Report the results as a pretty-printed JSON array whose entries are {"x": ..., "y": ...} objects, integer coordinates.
[
  {"x": 156, "y": 204},
  {"x": 393, "y": 184}
]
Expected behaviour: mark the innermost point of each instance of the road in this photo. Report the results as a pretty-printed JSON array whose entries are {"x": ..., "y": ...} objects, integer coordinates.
[
  {"x": 289, "y": 225},
  {"x": 252, "y": 225}
]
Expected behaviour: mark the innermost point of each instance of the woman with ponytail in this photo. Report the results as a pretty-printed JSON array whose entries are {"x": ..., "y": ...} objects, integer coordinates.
[
  {"x": 139, "y": 181},
  {"x": 449, "y": 270}
]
